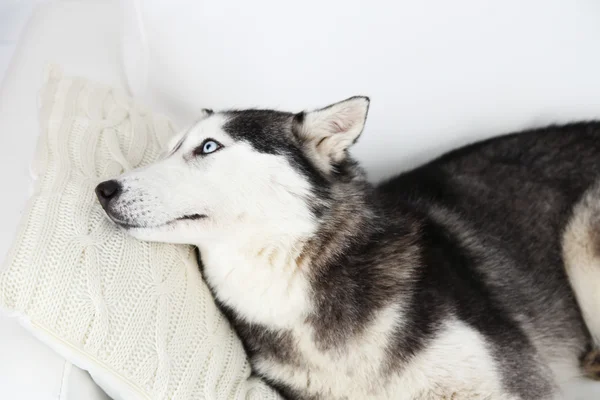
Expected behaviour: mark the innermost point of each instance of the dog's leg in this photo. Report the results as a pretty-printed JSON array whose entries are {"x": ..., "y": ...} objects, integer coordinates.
[
  {"x": 581, "y": 253},
  {"x": 591, "y": 364}
]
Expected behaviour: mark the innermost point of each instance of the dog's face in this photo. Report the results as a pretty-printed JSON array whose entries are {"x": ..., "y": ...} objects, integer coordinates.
[{"x": 253, "y": 172}]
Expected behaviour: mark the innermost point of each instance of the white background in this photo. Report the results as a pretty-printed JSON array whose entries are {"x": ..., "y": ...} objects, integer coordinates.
[
  {"x": 13, "y": 16},
  {"x": 439, "y": 73}
]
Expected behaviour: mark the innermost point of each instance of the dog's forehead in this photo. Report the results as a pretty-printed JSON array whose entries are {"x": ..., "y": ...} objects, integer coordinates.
[
  {"x": 265, "y": 130},
  {"x": 248, "y": 123},
  {"x": 242, "y": 124},
  {"x": 211, "y": 126}
]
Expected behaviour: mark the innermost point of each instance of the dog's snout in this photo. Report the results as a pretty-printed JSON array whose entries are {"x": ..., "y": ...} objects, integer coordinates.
[{"x": 108, "y": 190}]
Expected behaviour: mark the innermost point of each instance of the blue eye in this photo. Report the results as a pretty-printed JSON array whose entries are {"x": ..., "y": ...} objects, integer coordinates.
[{"x": 207, "y": 147}]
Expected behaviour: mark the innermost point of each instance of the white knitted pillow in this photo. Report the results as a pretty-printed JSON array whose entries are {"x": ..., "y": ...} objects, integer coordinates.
[{"x": 136, "y": 315}]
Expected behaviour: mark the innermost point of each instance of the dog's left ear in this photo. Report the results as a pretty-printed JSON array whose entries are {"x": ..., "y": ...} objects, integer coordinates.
[{"x": 329, "y": 132}]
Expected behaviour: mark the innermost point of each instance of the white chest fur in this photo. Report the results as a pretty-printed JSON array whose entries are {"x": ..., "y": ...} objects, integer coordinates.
[
  {"x": 272, "y": 293},
  {"x": 455, "y": 366}
]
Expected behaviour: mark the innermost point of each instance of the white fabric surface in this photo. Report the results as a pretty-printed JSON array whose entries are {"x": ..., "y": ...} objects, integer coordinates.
[
  {"x": 84, "y": 37},
  {"x": 136, "y": 315},
  {"x": 30, "y": 370}
]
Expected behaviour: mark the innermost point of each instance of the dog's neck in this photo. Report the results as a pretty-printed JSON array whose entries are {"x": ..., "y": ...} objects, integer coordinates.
[
  {"x": 266, "y": 278},
  {"x": 259, "y": 278}
]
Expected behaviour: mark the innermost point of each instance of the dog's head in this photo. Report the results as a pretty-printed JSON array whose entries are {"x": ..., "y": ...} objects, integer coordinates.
[{"x": 251, "y": 172}]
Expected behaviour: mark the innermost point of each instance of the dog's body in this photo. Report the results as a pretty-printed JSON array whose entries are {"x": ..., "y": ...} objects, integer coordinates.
[{"x": 450, "y": 281}]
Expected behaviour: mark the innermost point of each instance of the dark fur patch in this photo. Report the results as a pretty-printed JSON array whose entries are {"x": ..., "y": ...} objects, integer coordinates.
[
  {"x": 350, "y": 288},
  {"x": 595, "y": 233},
  {"x": 270, "y": 132},
  {"x": 452, "y": 273},
  {"x": 299, "y": 118}
]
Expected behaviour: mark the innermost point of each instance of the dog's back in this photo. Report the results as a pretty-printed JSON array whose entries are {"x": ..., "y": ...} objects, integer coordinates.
[{"x": 497, "y": 212}]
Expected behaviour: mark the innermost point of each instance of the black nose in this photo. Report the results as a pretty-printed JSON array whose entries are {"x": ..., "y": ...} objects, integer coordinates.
[{"x": 108, "y": 190}]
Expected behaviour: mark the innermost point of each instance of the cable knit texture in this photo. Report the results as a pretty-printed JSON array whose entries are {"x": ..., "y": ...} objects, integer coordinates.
[{"x": 138, "y": 310}]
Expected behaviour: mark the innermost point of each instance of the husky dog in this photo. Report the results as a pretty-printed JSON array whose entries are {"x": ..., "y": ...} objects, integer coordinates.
[{"x": 475, "y": 276}]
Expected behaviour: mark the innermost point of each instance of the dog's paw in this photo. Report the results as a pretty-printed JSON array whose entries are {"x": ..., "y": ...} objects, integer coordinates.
[{"x": 591, "y": 364}]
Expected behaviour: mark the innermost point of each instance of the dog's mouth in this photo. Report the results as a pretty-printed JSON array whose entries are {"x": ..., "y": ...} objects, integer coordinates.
[
  {"x": 132, "y": 225},
  {"x": 191, "y": 217}
]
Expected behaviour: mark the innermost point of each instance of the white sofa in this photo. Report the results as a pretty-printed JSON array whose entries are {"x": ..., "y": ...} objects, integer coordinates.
[
  {"x": 422, "y": 103},
  {"x": 84, "y": 37}
]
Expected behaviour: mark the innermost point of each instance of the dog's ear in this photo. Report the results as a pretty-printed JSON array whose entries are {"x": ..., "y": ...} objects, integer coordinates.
[
  {"x": 205, "y": 112},
  {"x": 329, "y": 132}
]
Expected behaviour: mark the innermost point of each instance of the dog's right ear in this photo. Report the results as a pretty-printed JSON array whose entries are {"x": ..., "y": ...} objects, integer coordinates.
[
  {"x": 205, "y": 112},
  {"x": 328, "y": 133}
]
